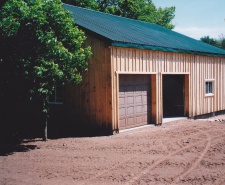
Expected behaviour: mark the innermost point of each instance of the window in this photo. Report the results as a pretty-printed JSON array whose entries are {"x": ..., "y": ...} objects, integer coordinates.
[
  {"x": 209, "y": 87},
  {"x": 57, "y": 96}
]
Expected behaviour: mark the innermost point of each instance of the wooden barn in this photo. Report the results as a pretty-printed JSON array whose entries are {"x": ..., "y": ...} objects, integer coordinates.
[{"x": 141, "y": 73}]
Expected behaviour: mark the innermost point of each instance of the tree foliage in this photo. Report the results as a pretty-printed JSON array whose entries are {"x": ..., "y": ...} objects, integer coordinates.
[
  {"x": 143, "y": 10},
  {"x": 40, "y": 48},
  {"x": 215, "y": 42},
  {"x": 90, "y": 4}
]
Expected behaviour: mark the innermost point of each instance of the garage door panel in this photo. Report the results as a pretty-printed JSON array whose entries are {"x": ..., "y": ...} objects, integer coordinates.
[
  {"x": 130, "y": 121},
  {"x": 130, "y": 110},
  {"x": 138, "y": 109},
  {"x": 138, "y": 99},
  {"x": 145, "y": 99},
  {"x": 123, "y": 122},
  {"x": 122, "y": 112},
  {"x": 139, "y": 119},
  {"x": 134, "y": 100},
  {"x": 130, "y": 100},
  {"x": 145, "y": 118},
  {"x": 122, "y": 101},
  {"x": 144, "y": 92},
  {"x": 145, "y": 108}
]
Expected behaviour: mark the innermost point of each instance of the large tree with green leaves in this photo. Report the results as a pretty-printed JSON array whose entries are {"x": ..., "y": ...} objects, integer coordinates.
[
  {"x": 143, "y": 10},
  {"x": 40, "y": 47}
]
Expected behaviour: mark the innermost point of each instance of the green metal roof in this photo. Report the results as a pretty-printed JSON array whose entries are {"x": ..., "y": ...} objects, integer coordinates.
[{"x": 126, "y": 32}]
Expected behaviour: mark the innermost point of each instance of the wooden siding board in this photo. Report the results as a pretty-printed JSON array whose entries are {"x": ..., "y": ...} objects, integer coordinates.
[
  {"x": 220, "y": 87},
  {"x": 223, "y": 84},
  {"x": 154, "y": 99},
  {"x": 133, "y": 60},
  {"x": 137, "y": 61},
  {"x": 144, "y": 61},
  {"x": 160, "y": 100},
  {"x": 187, "y": 93}
]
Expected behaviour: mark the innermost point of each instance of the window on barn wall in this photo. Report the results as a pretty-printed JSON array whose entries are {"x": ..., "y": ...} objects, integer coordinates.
[
  {"x": 209, "y": 87},
  {"x": 57, "y": 96}
]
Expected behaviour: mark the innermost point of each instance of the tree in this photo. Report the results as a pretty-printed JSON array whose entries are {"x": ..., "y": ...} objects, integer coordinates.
[
  {"x": 90, "y": 4},
  {"x": 160, "y": 16},
  {"x": 40, "y": 48},
  {"x": 143, "y": 10},
  {"x": 209, "y": 40},
  {"x": 214, "y": 42}
]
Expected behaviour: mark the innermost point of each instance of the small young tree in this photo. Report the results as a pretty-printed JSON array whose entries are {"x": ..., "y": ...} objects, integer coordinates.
[{"x": 40, "y": 47}]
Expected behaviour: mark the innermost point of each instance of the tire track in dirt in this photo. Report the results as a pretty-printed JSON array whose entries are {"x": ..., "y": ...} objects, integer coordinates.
[
  {"x": 162, "y": 159},
  {"x": 159, "y": 161},
  {"x": 221, "y": 180},
  {"x": 104, "y": 172},
  {"x": 196, "y": 163},
  {"x": 201, "y": 157}
]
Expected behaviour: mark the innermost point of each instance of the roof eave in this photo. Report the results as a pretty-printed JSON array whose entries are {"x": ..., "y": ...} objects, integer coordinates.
[{"x": 158, "y": 48}]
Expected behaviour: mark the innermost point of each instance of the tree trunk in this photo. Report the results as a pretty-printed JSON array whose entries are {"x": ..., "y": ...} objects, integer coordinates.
[
  {"x": 45, "y": 118},
  {"x": 45, "y": 130}
]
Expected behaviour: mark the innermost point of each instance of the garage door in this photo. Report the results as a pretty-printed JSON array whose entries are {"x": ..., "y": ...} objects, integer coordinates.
[{"x": 134, "y": 100}]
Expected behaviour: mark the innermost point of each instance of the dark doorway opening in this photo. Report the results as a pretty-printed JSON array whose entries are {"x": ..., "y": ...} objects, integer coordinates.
[{"x": 173, "y": 96}]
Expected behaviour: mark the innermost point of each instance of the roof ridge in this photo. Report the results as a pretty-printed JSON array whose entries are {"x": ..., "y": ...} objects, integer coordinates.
[
  {"x": 136, "y": 33},
  {"x": 129, "y": 19},
  {"x": 113, "y": 15}
]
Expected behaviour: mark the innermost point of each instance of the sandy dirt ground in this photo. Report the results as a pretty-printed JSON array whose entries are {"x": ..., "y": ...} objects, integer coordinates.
[{"x": 181, "y": 152}]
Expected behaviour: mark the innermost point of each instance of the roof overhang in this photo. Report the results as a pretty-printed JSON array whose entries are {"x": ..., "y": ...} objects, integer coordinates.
[{"x": 164, "y": 49}]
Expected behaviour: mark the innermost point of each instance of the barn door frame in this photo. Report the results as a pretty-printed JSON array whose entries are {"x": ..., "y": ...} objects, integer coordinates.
[
  {"x": 186, "y": 91},
  {"x": 153, "y": 98}
]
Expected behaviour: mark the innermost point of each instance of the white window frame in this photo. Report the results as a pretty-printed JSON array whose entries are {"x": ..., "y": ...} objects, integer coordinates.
[
  {"x": 55, "y": 97},
  {"x": 209, "y": 91}
]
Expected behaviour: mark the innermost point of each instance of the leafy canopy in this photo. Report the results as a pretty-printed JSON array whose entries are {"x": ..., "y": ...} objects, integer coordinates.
[
  {"x": 143, "y": 10},
  {"x": 40, "y": 46}
]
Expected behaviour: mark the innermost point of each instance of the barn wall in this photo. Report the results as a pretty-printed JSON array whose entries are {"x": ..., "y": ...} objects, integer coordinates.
[
  {"x": 90, "y": 102},
  {"x": 195, "y": 68}
]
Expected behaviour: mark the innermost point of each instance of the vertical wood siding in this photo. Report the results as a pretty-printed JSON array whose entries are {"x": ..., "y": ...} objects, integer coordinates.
[
  {"x": 95, "y": 100},
  {"x": 198, "y": 68},
  {"x": 90, "y": 103}
]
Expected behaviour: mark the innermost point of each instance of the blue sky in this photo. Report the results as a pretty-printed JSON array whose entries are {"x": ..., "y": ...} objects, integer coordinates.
[{"x": 197, "y": 18}]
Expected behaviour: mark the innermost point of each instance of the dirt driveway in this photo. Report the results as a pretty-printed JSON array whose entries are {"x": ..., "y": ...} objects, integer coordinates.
[{"x": 181, "y": 152}]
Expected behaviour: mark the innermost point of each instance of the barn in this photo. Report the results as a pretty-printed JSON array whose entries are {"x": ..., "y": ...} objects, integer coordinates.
[{"x": 141, "y": 73}]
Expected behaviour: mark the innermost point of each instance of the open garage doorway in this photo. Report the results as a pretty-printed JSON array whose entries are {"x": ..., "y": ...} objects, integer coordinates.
[{"x": 173, "y": 96}]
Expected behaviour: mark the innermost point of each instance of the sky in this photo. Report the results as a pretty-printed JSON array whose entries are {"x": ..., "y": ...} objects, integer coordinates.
[{"x": 197, "y": 18}]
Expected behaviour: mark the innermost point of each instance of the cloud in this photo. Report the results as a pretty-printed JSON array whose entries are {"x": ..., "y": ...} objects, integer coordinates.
[{"x": 197, "y": 32}]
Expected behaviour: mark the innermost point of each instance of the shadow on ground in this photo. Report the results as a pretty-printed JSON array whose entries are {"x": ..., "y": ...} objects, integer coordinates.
[
  {"x": 17, "y": 140},
  {"x": 10, "y": 143},
  {"x": 11, "y": 149}
]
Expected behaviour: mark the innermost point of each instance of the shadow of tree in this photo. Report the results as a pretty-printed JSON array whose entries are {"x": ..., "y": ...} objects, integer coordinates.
[
  {"x": 11, "y": 143},
  {"x": 11, "y": 149}
]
